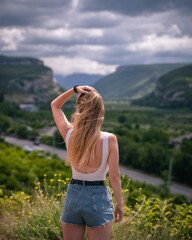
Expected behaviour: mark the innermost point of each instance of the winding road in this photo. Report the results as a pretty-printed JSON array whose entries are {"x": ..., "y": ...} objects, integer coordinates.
[{"x": 175, "y": 188}]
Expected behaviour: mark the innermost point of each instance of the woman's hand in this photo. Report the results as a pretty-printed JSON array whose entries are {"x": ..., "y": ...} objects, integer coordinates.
[
  {"x": 85, "y": 89},
  {"x": 118, "y": 214}
]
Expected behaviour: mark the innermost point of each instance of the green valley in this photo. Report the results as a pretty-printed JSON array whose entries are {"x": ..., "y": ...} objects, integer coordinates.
[
  {"x": 33, "y": 184},
  {"x": 132, "y": 82}
]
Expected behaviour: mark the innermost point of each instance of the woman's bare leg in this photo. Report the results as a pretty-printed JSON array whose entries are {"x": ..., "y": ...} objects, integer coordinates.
[
  {"x": 73, "y": 231},
  {"x": 103, "y": 232}
]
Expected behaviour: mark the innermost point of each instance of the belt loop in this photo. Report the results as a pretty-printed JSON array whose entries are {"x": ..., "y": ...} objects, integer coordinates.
[{"x": 83, "y": 183}]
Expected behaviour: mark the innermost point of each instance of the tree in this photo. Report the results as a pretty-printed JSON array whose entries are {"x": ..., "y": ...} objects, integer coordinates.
[{"x": 122, "y": 119}]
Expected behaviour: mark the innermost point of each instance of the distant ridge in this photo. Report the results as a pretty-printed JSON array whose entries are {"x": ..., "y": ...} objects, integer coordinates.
[
  {"x": 5, "y": 60},
  {"x": 25, "y": 80},
  {"x": 173, "y": 90},
  {"x": 77, "y": 79},
  {"x": 132, "y": 82}
]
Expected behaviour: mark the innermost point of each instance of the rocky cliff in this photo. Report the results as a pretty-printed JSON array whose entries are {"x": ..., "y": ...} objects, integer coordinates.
[{"x": 26, "y": 80}]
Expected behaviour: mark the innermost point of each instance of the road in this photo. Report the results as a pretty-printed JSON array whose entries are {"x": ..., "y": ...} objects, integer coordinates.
[
  {"x": 23, "y": 142},
  {"x": 175, "y": 188},
  {"x": 49, "y": 131},
  {"x": 134, "y": 174}
]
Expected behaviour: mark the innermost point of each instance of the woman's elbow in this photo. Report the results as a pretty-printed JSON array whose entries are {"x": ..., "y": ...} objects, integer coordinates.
[
  {"x": 53, "y": 105},
  {"x": 52, "y": 102}
]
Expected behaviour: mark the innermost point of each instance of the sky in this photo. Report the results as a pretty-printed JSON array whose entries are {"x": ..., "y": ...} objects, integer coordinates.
[{"x": 96, "y": 36}]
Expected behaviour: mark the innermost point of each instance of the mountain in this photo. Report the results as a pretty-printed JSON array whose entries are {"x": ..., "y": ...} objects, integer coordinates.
[
  {"x": 173, "y": 90},
  {"x": 26, "y": 80},
  {"x": 77, "y": 79},
  {"x": 132, "y": 82}
]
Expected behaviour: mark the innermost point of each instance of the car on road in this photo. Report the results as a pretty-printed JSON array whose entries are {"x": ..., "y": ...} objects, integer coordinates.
[{"x": 32, "y": 148}]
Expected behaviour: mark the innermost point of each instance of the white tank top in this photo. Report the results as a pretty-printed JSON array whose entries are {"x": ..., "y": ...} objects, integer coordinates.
[{"x": 100, "y": 173}]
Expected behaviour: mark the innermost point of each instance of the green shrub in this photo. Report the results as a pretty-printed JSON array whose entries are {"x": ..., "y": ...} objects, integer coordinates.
[
  {"x": 19, "y": 169},
  {"x": 37, "y": 216}
]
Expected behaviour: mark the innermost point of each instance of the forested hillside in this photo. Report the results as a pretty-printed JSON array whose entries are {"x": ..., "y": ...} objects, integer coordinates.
[
  {"x": 132, "y": 82},
  {"x": 173, "y": 90}
]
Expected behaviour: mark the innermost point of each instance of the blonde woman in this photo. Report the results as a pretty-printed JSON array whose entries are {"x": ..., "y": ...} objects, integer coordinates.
[{"x": 91, "y": 154}]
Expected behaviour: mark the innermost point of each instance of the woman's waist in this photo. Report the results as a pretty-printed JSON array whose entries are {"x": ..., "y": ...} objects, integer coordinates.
[{"x": 88, "y": 182}]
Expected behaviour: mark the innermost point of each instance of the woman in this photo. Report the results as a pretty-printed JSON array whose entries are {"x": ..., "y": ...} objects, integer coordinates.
[{"x": 91, "y": 154}]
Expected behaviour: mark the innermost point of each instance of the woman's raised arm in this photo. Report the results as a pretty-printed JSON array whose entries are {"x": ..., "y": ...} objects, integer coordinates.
[{"x": 59, "y": 116}]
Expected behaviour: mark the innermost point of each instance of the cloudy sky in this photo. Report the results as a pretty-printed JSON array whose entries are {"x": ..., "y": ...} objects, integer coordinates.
[{"x": 96, "y": 36}]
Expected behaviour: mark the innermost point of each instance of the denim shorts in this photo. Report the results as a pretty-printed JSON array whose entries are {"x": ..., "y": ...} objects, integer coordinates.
[{"x": 90, "y": 205}]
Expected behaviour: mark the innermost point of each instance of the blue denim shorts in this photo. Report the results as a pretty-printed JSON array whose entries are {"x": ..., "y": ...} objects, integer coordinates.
[{"x": 90, "y": 205}]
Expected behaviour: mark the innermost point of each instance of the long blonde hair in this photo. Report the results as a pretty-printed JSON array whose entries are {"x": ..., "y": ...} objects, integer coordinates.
[{"x": 87, "y": 121}]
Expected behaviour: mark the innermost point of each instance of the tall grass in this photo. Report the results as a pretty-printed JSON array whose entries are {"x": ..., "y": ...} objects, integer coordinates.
[{"x": 37, "y": 217}]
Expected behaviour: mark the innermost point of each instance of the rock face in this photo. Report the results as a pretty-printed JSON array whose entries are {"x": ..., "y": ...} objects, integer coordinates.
[
  {"x": 173, "y": 90},
  {"x": 26, "y": 81}
]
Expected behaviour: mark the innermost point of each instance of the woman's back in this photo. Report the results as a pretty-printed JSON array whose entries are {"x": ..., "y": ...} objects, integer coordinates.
[
  {"x": 91, "y": 154},
  {"x": 97, "y": 167}
]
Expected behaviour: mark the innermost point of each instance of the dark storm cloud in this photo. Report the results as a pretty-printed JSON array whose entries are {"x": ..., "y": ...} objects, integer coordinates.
[
  {"x": 132, "y": 58},
  {"x": 91, "y": 20},
  {"x": 101, "y": 33},
  {"x": 136, "y": 7},
  {"x": 28, "y": 13},
  {"x": 75, "y": 38},
  {"x": 183, "y": 21}
]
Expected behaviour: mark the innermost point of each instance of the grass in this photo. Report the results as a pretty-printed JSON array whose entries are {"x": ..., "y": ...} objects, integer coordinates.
[{"x": 37, "y": 217}]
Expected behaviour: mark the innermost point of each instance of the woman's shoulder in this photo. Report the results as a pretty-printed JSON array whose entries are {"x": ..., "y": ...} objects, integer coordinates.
[
  {"x": 112, "y": 141},
  {"x": 111, "y": 136}
]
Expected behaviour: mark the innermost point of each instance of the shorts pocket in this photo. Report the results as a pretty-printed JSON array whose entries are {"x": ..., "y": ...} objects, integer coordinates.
[
  {"x": 101, "y": 201},
  {"x": 71, "y": 200}
]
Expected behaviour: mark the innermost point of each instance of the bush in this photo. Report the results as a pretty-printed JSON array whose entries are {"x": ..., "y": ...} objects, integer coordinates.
[
  {"x": 19, "y": 169},
  {"x": 38, "y": 216}
]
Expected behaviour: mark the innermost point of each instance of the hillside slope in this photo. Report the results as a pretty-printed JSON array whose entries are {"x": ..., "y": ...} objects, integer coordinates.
[
  {"x": 26, "y": 80},
  {"x": 77, "y": 79},
  {"x": 132, "y": 82},
  {"x": 173, "y": 90}
]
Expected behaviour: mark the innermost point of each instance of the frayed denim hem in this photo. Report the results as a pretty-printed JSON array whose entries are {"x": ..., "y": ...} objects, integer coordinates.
[
  {"x": 102, "y": 225},
  {"x": 63, "y": 222}
]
